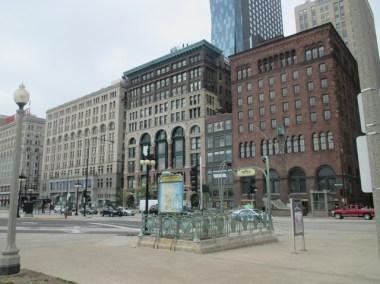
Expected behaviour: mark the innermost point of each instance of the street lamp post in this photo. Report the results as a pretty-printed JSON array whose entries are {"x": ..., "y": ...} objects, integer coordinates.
[
  {"x": 77, "y": 186},
  {"x": 21, "y": 179},
  {"x": 10, "y": 258},
  {"x": 148, "y": 162},
  {"x": 267, "y": 179}
]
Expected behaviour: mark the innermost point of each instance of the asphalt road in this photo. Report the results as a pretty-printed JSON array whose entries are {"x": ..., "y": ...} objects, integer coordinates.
[{"x": 97, "y": 225}]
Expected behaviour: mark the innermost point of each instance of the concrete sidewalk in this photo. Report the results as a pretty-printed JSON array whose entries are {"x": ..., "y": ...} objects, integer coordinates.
[{"x": 335, "y": 257}]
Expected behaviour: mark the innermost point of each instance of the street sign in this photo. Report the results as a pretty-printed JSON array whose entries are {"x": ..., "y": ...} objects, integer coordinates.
[
  {"x": 361, "y": 113},
  {"x": 245, "y": 172},
  {"x": 364, "y": 166}
]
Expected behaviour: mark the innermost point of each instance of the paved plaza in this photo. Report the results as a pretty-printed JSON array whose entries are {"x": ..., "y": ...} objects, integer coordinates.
[{"x": 338, "y": 251}]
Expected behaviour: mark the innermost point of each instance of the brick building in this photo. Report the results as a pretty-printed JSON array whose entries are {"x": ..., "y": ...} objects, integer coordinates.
[
  {"x": 294, "y": 100},
  {"x": 168, "y": 100}
]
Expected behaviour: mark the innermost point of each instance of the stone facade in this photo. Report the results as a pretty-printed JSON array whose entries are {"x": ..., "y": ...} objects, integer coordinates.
[
  {"x": 168, "y": 101},
  {"x": 294, "y": 100},
  {"x": 85, "y": 137},
  {"x": 31, "y": 156}
]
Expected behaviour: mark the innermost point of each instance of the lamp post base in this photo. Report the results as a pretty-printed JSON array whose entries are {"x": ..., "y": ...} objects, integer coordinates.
[{"x": 9, "y": 263}]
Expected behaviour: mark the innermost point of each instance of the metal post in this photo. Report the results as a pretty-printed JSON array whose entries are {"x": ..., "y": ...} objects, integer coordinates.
[
  {"x": 146, "y": 195},
  {"x": 269, "y": 193},
  {"x": 200, "y": 181},
  {"x": 77, "y": 195},
  {"x": 85, "y": 186},
  {"x": 21, "y": 178},
  {"x": 10, "y": 258}
]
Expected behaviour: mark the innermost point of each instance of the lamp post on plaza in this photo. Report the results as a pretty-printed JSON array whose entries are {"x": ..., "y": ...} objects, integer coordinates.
[
  {"x": 149, "y": 162},
  {"x": 77, "y": 186},
  {"x": 21, "y": 179},
  {"x": 10, "y": 257}
]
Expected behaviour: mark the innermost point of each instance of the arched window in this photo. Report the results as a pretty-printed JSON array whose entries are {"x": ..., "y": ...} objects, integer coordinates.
[
  {"x": 242, "y": 150},
  {"x": 276, "y": 147},
  {"x": 111, "y": 126},
  {"x": 315, "y": 142},
  {"x": 86, "y": 132},
  {"x": 132, "y": 148},
  {"x": 253, "y": 149},
  {"x": 322, "y": 139},
  {"x": 145, "y": 146},
  {"x": 94, "y": 130},
  {"x": 295, "y": 144},
  {"x": 270, "y": 147},
  {"x": 161, "y": 150},
  {"x": 297, "y": 180},
  {"x": 330, "y": 140},
  {"x": 102, "y": 128},
  {"x": 302, "y": 143},
  {"x": 178, "y": 148},
  {"x": 274, "y": 181},
  {"x": 288, "y": 145},
  {"x": 72, "y": 135},
  {"x": 264, "y": 148},
  {"x": 326, "y": 178},
  {"x": 195, "y": 134},
  {"x": 247, "y": 150}
]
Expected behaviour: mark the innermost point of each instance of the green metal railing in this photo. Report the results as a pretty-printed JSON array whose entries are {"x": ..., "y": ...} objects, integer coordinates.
[{"x": 203, "y": 226}]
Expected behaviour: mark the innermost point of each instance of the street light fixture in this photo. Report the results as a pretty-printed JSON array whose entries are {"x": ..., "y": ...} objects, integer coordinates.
[
  {"x": 10, "y": 257},
  {"x": 21, "y": 179},
  {"x": 149, "y": 162}
]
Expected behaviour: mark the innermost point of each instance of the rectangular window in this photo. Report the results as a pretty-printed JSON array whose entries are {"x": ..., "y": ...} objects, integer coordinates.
[
  {"x": 250, "y": 113},
  {"x": 261, "y": 111},
  {"x": 324, "y": 84},
  {"x": 285, "y": 106},
  {"x": 310, "y": 86},
  {"x": 283, "y": 77},
  {"x": 298, "y": 104},
  {"x": 327, "y": 114},
  {"x": 250, "y": 127},
  {"x": 262, "y": 125},
  {"x": 284, "y": 92},
  {"x": 311, "y": 101},
  {"x": 260, "y": 84},
  {"x": 299, "y": 118},
  {"x": 241, "y": 128},
  {"x": 240, "y": 115},
  {"x": 325, "y": 99},
  {"x": 322, "y": 68},
  {"x": 309, "y": 71},
  {"x": 261, "y": 97},
  {"x": 249, "y": 86},
  {"x": 295, "y": 75},
  {"x": 240, "y": 101},
  {"x": 273, "y": 108},
  {"x": 313, "y": 117},
  {"x": 271, "y": 81},
  {"x": 286, "y": 121},
  {"x": 273, "y": 123},
  {"x": 249, "y": 100},
  {"x": 239, "y": 88},
  {"x": 272, "y": 95},
  {"x": 296, "y": 90}
]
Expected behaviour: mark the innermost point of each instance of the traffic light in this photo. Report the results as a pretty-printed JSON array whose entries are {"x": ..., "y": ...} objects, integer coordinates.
[{"x": 194, "y": 178}]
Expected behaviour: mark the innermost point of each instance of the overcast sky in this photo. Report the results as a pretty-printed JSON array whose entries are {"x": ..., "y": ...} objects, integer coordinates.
[{"x": 65, "y": 49}]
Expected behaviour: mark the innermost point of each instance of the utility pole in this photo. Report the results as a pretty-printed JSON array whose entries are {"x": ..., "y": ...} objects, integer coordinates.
[{"x": 369, "y": 107}]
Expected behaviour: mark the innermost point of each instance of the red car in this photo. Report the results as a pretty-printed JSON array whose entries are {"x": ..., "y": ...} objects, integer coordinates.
[{"x": 353, "y": 211}]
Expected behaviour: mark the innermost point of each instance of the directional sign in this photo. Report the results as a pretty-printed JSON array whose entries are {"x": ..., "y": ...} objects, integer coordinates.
[{"x": 245, "y": 172}]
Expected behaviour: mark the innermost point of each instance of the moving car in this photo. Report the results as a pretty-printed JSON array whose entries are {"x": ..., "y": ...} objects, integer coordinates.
[
  {"x": 126, "y": 211},
  {"x": 248, "y": 214},
  {"x": 110, "y": 211},
  {"x": 353, "y": 211},
  {"x": 153, "y": 209}
]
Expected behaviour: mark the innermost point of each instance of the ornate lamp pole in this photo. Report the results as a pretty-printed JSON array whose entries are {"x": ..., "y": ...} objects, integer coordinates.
[
  {"x": 21, "y": 179},
  {"x": 10, "y": 258},
  {"x": 77, "y": 186},
  {"x": 148, "y": 162}
]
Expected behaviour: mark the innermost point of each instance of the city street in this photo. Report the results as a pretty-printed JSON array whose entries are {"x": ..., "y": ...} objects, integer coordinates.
[{"x": 338, "y": 251}]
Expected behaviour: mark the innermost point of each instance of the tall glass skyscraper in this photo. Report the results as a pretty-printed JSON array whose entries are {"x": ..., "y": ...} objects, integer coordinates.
[{"x": 238, "y": 25}]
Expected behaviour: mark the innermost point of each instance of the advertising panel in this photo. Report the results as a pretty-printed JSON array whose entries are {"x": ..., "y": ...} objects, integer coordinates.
[
  {"x": 297, "y": 217},
  {"x": 170, "y": 194}
]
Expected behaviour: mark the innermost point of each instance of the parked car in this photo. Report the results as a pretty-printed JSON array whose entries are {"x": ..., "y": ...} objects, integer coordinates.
[
  {"x": 110, "y": 211},
  {"x": 126, "y": 211},
  {"x": 353, "y": 211},
  {"x": 153, "y": 209},
  {"x": 89, "y": 211},
  {"x": 249, "y": 214},
  {"x": 59, "y": 209}
]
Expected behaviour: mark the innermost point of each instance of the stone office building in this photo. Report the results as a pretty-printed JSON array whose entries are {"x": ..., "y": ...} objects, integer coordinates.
[
  {"x": 31, "y": 154},
  {"x": 168, "y": 100},
  {"x": 84, "y": 146},
  {"x": 294, "y": 100}
]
